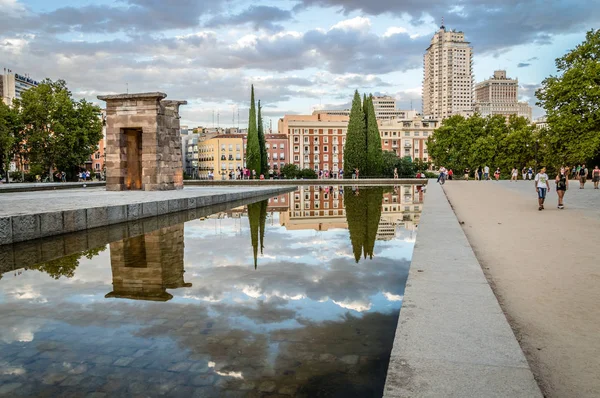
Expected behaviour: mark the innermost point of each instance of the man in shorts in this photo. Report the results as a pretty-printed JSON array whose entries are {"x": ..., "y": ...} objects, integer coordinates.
[
  {"x": 542, "y": 186},
  {"x": 486, "y": 173},
  {"x": 467, "y": 172},
  {"x": 582, "y": 176}
]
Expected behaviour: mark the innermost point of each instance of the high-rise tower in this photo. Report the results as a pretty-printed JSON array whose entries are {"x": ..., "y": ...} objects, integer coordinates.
[{"x": 448, "y": 75}]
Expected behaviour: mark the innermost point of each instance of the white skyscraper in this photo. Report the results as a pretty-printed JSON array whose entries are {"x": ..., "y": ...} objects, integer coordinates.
[{"x": 448, "y": 75}]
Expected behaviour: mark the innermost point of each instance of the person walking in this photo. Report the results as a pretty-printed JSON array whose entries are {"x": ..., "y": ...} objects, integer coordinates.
[
  {"x": 514, "y": 175},
  {"x": 442, "y": 175},
  {"x": 542, "y": 186},
  {"x": 450, "y": 174},
  {"x": 466, "y": 173},
  {"x": 486, "y": 173},
  {"x": 497, "y": 173},
  {"x": 562, "y": 184},
  {"x": 529, "y": 173},
  {"x": 596, "y": 176},
  {"x": 395, "y": 173},
  {"x": 524, "y": 172},
  {"x": 479, "y": 173},
  {"x": 582, "y": 176}
]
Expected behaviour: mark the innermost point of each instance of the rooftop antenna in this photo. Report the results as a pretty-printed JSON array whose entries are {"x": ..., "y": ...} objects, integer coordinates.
[
  {"x": 442, "y": 27},
  {"x": 238, "y": 118},
  {"x": 127, "y": 85}
]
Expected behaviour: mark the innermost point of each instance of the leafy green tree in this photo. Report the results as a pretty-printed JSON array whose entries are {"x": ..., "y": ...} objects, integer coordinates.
[
  {"x": 307, "y": 174},
  {"x": 262, "y": 142},
  {"x": 572, "y": 104},
  {"x": 10, "y": 136},
  {"x": 374, "y": 152},
  {"x": 290, "y": 171},
  {"x": 389, "y": 160},
  {"x": 60, "y": 132},
  {"x": 253, "y": 145},
  {"x": 355, "y": 149}
]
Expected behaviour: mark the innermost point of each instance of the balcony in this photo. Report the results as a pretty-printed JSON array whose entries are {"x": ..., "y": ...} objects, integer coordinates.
[{"x": 407, "y": 145}]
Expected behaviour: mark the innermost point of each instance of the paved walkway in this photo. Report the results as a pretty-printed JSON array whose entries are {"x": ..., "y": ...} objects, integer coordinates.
[
  {"x": 545, "y": 270},
  {"x": 452, "y": 339}
]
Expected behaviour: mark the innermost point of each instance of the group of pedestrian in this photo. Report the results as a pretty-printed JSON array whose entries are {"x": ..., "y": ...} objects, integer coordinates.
[
  {"x": 326, "y": 174},
  {"x": 542, "y": 184}
]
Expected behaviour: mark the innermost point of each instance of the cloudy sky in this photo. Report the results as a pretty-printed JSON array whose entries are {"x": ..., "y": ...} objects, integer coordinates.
[{"x": 300, "y": 54}]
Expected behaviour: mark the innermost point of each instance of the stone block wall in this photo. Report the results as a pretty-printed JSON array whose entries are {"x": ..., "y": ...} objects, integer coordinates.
[{"x": 156, "y": 122}]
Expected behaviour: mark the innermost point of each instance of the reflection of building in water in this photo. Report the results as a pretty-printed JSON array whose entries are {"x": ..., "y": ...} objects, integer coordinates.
[
  {"x": 144, "y": 266},
  {"x": 315, "y": 207},
  {"x": 322, "y": 208}
]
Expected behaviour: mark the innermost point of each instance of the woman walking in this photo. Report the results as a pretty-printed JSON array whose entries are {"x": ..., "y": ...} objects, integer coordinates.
[
  {"x": 497, "y": 173},
  {"x": 395, "y": 173},
  {"x": 515, "y": 173},
  {"x": 479, "y": 173},
  {"x": 562, "y": 184},
  {"x": 596, "y": 177}
]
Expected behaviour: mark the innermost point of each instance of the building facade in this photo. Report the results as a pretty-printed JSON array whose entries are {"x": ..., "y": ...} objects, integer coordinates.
[
  {"x": 221, "y": 154},
  {"x": 12, "y": 85},
  {"x": 498, "y": 95},
  {"x": 385, "y": 108},
  {"x": 278, "y": 151},
  {"x": 408, "y": 137},
  {"x": 448, "y": 75},
  {"x": 315, "y": 141}
]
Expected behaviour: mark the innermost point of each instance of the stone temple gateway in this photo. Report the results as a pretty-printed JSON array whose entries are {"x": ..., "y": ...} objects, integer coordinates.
[{"x": 143, "y": 148}]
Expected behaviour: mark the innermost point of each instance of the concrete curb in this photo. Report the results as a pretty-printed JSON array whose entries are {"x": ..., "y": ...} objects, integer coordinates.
[
  {"x": 29, "y": 253},
  {"x": 19, "y": 228},
  {"x": 47, "y": 186},
  {"x": 452, "y": 339},
  {"x": 362, "y": 181}
]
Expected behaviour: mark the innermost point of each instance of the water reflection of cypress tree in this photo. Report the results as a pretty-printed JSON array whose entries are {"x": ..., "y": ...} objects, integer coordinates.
[
  {"x": 363, "y": 211},
  {"x": 374, "y": 199},
  {"x": 257, "y": 215}
]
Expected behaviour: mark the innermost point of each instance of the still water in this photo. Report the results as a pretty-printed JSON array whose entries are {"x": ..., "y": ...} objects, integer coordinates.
[{"x": 297, "y": 295}]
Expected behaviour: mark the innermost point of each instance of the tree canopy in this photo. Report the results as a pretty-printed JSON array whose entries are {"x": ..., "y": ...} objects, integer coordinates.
[
  {"x": 355, "y": 149},
  {"x": 476, "y": 141},
  {"x": 60, "y": 132},
  {"x": 572, "y": 104}
]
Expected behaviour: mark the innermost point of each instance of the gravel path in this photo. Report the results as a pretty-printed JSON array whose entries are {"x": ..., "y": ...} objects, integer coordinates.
[{"x": 544, "y": 268}]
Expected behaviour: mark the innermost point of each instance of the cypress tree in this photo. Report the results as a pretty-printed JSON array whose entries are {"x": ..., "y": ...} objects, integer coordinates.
[
  {"x": 374, "y": 152},
  {"x": 264, "y": 163},
  {"x": 252, "y": 145},
  {"x": 254, "y": 221},
  {"x": 355, "y": 151},
  {"x": 374, "y": 197}
]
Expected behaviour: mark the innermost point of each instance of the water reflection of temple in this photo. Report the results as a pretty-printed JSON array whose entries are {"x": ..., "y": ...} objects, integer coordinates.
[{"x": 145, "y": 266}]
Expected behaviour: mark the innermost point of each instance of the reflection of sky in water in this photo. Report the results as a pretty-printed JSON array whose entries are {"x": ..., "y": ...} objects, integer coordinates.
[{"x": 304, "y": 277}]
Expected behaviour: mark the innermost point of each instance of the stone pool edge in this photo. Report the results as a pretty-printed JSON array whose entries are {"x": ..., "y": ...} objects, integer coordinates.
[
  {"x": 452, "y": 337},
  {"x": 20, "y": 228}
]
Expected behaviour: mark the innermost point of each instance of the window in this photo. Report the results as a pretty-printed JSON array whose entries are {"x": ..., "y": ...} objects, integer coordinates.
[
  {"x": 274, "y": 146},
  {"x": 97, "y": 155},
  {"x": 231, "y": 147},
  {"x": 306, "y": 140},
  {"x": 97, "y": 166},
  {"x": 296, "y": 158},
  {"x": 416, "y": 133},
  {"x": 223, "y": 147},
  {"x": 281, "y": 156},
  {"x": 296, "y": 148},
  {"x": 296, "y": 140},
  {"x": 325, "y": 148},
  {"x": 237, "y": 147},
  {"x": 325, "y": 140},
  {"x": 407, "y": 134}
]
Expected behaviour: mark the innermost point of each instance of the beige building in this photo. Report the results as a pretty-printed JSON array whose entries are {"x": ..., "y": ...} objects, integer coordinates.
[
  {"x": 498, "y": 95},
  {"x": 448, "y": 75},
  {"x": 385, "y": 108},
  {"x": 12, "y": 85},
  {"x": 220, "y": 154},
  {"x": 407, "y": 137}
]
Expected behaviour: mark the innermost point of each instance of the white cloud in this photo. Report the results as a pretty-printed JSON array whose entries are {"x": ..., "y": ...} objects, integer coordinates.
[
  {"x": 393, "y": 297},
  {"x": 358, "y": 23},
  {"x": 394, "y": 30}
]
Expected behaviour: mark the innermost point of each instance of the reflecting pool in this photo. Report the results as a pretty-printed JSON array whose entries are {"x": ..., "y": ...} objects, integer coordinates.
[{"x": 295, "y": 295}]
